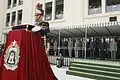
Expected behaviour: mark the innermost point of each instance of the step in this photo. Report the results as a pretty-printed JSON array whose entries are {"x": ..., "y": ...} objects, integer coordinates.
[
  {"x": 108, "y": 73},
  {"x": 97, "y": 64},
  {"x": 97, "y": 61},
  {"x": 91, "y": 75},
  {"x": 96, "y": 67}
]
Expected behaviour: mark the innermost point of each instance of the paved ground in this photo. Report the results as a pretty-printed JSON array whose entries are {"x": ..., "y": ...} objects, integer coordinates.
[{"x": 61, "y": 74}]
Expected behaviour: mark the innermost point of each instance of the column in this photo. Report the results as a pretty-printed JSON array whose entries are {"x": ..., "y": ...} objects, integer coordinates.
[
  {"x": 53, "y": 10},
  {"x": 103, "y": 6},
  {"x": 44, "y": 9},
  {"x": 86, "y": 7}
]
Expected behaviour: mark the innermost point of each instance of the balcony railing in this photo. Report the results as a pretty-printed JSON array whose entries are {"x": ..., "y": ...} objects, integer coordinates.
[
  {"x": 20, "y": 2},
  {"x": 52, "y": 60},
  {"x": 14, "y": 5},
  {"x": 9, "y": 6},
  {"x": 19, "y": 22},
  {"x": 113, "y": 8},
  {"x": 95, "y": 10},
  {"x": 7, "y": 24}
]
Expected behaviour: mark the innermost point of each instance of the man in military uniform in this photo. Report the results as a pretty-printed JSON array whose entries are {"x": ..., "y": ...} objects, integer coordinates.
[{"x": 40, "y": 25}]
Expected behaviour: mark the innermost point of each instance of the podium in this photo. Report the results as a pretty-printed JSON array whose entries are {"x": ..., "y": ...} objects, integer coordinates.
[{"x": 24, "y": 57}]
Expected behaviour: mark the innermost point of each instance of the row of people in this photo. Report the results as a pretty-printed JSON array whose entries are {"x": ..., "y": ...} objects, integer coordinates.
[{"x": 95, "y": 47}]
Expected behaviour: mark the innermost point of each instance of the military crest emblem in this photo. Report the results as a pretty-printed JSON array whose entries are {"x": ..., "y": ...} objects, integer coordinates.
[{"x": 11, "y": 57}]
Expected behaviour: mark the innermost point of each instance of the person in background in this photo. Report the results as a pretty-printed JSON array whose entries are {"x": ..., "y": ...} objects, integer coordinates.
[
  {"x": 60, "y": 60},
  {"x": 40, "y": 24},
  {"x": 1, "y": 49},
  {"x": 55, "y": 47},
  {"x": 113, "y": 48},
  {"x": 70, "y": 47}
]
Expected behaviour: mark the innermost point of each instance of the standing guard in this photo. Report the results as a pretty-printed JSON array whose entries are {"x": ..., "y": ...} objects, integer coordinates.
[
  {"x": 70, "y": 47},
  {"x": 113, "y": 49},
  {"x": 76, "y": 48},
  {"x": 92, "y": 48}
]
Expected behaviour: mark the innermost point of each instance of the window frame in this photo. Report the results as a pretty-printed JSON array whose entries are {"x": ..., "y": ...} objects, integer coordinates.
[
  {"x": 112, "y": 6},
  {"x": 96, "y": 10},
  {"x": 14, "y": 3},
  {"x": 9, "y": 3},
  {"x": 60, "y": 11},
  {"x": 51, "y": 3},
  {"x": 20, "y": 2},
  {"x": 7, "y": 20},
  {"x": 20, "y": 13},
  {"x": 13, "y": 18}
]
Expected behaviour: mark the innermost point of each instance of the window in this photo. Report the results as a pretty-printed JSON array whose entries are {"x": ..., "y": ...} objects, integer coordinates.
[
  {"x": 7, "y": 19},
  {"x": 113, "y": 5},
  {"x": 111, "y": 19},
  {"x": 94, "y": 7},
  {"x": 13, "y": 18},
  {"x": 59, "y": 4},
  {"x": 48, "y": 11},
  {"x": 14, "y": 3},
  {"x": 9, "y": 4},
  {"x": 20, "y": 2},
  {"x": 19, "y": 19}
]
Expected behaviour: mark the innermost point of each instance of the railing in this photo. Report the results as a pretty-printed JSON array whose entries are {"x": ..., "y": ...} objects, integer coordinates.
[
  {"x": 52, "y": 60},
  {"x": 95, "y": 10},
  {"x": 20, "y": 2},
  {"x": 113, "y": 8}
]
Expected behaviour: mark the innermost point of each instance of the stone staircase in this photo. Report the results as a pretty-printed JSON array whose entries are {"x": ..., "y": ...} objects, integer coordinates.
[{"x": 95, "y": 69}]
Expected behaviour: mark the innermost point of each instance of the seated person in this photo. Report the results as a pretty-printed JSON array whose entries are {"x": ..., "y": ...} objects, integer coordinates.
[{"x": 60, "y": 60}]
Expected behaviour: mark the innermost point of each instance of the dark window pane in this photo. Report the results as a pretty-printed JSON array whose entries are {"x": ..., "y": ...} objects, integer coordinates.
[
  {"x": 13, "y": 18},
  {"x": 94, "y": 7},
  {"x": 19, "y": 19},
  {"x": 14, "y": 3},
  {"x": 9, "y": 4},
  {"x": 59, "y": 6},
  {"x": 111, "y": 19},
  {"x": 7, "y": 19},
  {"x": 20, "y": 2},
  {"x": 113, "y": 5},
  {"x": 48, "y": 11}
]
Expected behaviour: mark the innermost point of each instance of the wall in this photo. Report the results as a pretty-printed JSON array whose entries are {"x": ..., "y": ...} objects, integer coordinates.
[
  {"x": 2, "y": 4},
  {"x": 75, "y": 12},
  {"x": 101, "y": 18},
  {"x": 28, "y": 10}
]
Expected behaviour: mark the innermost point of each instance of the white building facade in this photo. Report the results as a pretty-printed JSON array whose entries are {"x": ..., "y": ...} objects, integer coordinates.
[{"x": 59, "y": 13}]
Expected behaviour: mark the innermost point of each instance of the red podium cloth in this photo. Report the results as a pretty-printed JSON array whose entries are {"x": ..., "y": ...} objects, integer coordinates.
[{"x": 33, "y": 62}]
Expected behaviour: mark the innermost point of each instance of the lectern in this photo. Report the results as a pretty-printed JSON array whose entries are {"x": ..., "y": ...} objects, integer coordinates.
[{"x": 24, "y": 56}]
